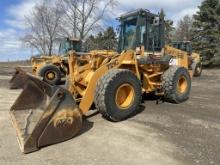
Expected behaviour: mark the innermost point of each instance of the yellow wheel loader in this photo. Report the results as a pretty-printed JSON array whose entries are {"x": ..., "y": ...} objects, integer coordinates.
[
  {"x": 179, "y": 47},
  {"x": 52, "y": 68},
  {"x": 45, "y": 114}
]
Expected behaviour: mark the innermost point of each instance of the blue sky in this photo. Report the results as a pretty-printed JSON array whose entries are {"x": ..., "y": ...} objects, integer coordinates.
[{"x": 12, "y": 26}]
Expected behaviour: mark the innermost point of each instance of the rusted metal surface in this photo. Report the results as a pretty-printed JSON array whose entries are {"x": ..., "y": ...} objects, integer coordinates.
[
  {"x": 18, "y": 79},
  {"x": 44, "y": 115}
]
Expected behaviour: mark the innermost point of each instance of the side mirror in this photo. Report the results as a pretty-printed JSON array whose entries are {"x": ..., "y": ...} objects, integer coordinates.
[{"x": 156, "y": 21}]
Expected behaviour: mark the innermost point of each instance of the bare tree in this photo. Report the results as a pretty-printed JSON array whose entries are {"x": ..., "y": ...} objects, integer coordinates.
[
  {"x": 63, "y": 18},
  {"x": 83, "y": 16},
  {"x": 184, "y": 29},
  {"x": 43, "y": 24}
]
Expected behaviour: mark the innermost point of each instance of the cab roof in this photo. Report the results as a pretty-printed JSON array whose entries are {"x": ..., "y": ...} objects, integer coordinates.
[{"x": 137, "y": 12}]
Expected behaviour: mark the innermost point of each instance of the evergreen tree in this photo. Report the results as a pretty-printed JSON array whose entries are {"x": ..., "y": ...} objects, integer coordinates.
[
  {"x": 90, "y": 43},
  {"x": 104, "y": 40},
  {"x": 99, "y": 41},
  {"x": 109, "y": 39},
  {"x": 206, "y": 28},
  {"x": 169, "y": 28}
]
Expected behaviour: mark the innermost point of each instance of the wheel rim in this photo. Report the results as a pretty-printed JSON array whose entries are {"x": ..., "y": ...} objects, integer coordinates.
[
  {"x": 198, "y": 69},
  {"x": 182, "y": 84},
  {"x": 50, "y": 75},
  {"x": 124, "y": 97}
]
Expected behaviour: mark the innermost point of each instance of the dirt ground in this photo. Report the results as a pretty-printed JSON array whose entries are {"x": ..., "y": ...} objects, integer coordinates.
[{"x": 163, "y": 134}]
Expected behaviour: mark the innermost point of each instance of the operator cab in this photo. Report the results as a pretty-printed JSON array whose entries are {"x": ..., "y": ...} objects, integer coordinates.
[
  {"x": 68, "y": 44},
  {"x": 139, "y": 29},
  {"x": 183, "y": 45}
]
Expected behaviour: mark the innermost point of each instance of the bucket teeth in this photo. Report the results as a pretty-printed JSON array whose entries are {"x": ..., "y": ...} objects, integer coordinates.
[{"x": 44, "y": 115}]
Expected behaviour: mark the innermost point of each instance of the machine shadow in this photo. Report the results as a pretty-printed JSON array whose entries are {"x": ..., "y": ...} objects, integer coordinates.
[
  {"x": 87, "y": 125},
  {"x": 150, "y": 97}
]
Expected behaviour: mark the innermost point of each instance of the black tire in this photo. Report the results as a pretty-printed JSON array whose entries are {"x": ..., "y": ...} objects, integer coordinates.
[
  {"x": 172, "y": 78},
  {"x": 197, "y": 69},
  {"x": 43, "y": 72},
  {"x": 105, "y": 94}
]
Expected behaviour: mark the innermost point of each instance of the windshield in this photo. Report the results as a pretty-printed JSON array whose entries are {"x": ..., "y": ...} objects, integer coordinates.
[
  {"x": 128, "y": 34},
  {"x": 183, "y": 46},
  {"x": 67, "y": 45},
  {"x": 139, "y": 31}
]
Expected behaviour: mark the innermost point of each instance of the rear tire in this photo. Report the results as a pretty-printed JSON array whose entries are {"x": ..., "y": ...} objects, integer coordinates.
[
  {"x": 197, "y": 69},
  {"x": 52, "y": 70},
  {"x": 176, "y": 84},
  {"x": 118, "y": 94}
]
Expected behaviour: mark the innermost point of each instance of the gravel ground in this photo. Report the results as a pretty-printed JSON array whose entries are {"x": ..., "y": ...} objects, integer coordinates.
[{"x": 163, "y": 134}]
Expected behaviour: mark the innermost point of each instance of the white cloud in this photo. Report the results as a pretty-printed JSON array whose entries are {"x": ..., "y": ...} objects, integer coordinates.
[
  {"x": 174, "y": 9},
  {"x": 11, "y": 45},
  {"x": 170, "y": 5},
  {"x": 9, "y": 40},
  {"x": 16, "y": 23},
  {"x": 181, "y": 14},
  {"x": 18, "y": 13}
]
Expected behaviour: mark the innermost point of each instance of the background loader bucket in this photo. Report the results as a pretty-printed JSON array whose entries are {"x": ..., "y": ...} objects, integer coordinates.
[
  {"x": 44, "y": 115},
  {"x": 18, "y": 79}
]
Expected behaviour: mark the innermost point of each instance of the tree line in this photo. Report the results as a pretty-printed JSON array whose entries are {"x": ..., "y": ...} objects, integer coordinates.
[
  {"x": 202, "y": 29},
  {"x": 82, "y": 19},
  {"x": 55, "y": 19}
]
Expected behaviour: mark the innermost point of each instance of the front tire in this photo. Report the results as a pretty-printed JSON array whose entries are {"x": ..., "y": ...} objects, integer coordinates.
[
  {"x": 118, "y": 94},
  {"x": 176, "y": 84},
  {"x": 51, "y": 74}
]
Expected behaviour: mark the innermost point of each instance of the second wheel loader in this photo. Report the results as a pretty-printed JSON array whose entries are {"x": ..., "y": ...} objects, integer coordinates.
[
  {"x": 178, "y": 47},
  {"x": 45, "y": 114},
  {"x": 51, "y": 68}
]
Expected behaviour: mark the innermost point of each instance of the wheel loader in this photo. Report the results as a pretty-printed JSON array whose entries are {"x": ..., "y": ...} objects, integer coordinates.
[
  {"x": 46, "y": 114},
  {"x": 52, "y": 68},
  {"x": 178, "y": 47}
]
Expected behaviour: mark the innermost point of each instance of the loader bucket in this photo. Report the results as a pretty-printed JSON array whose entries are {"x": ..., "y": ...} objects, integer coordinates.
[
  {"x": 43, "y": 115},
  {"x": 18, "y": 79}
]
